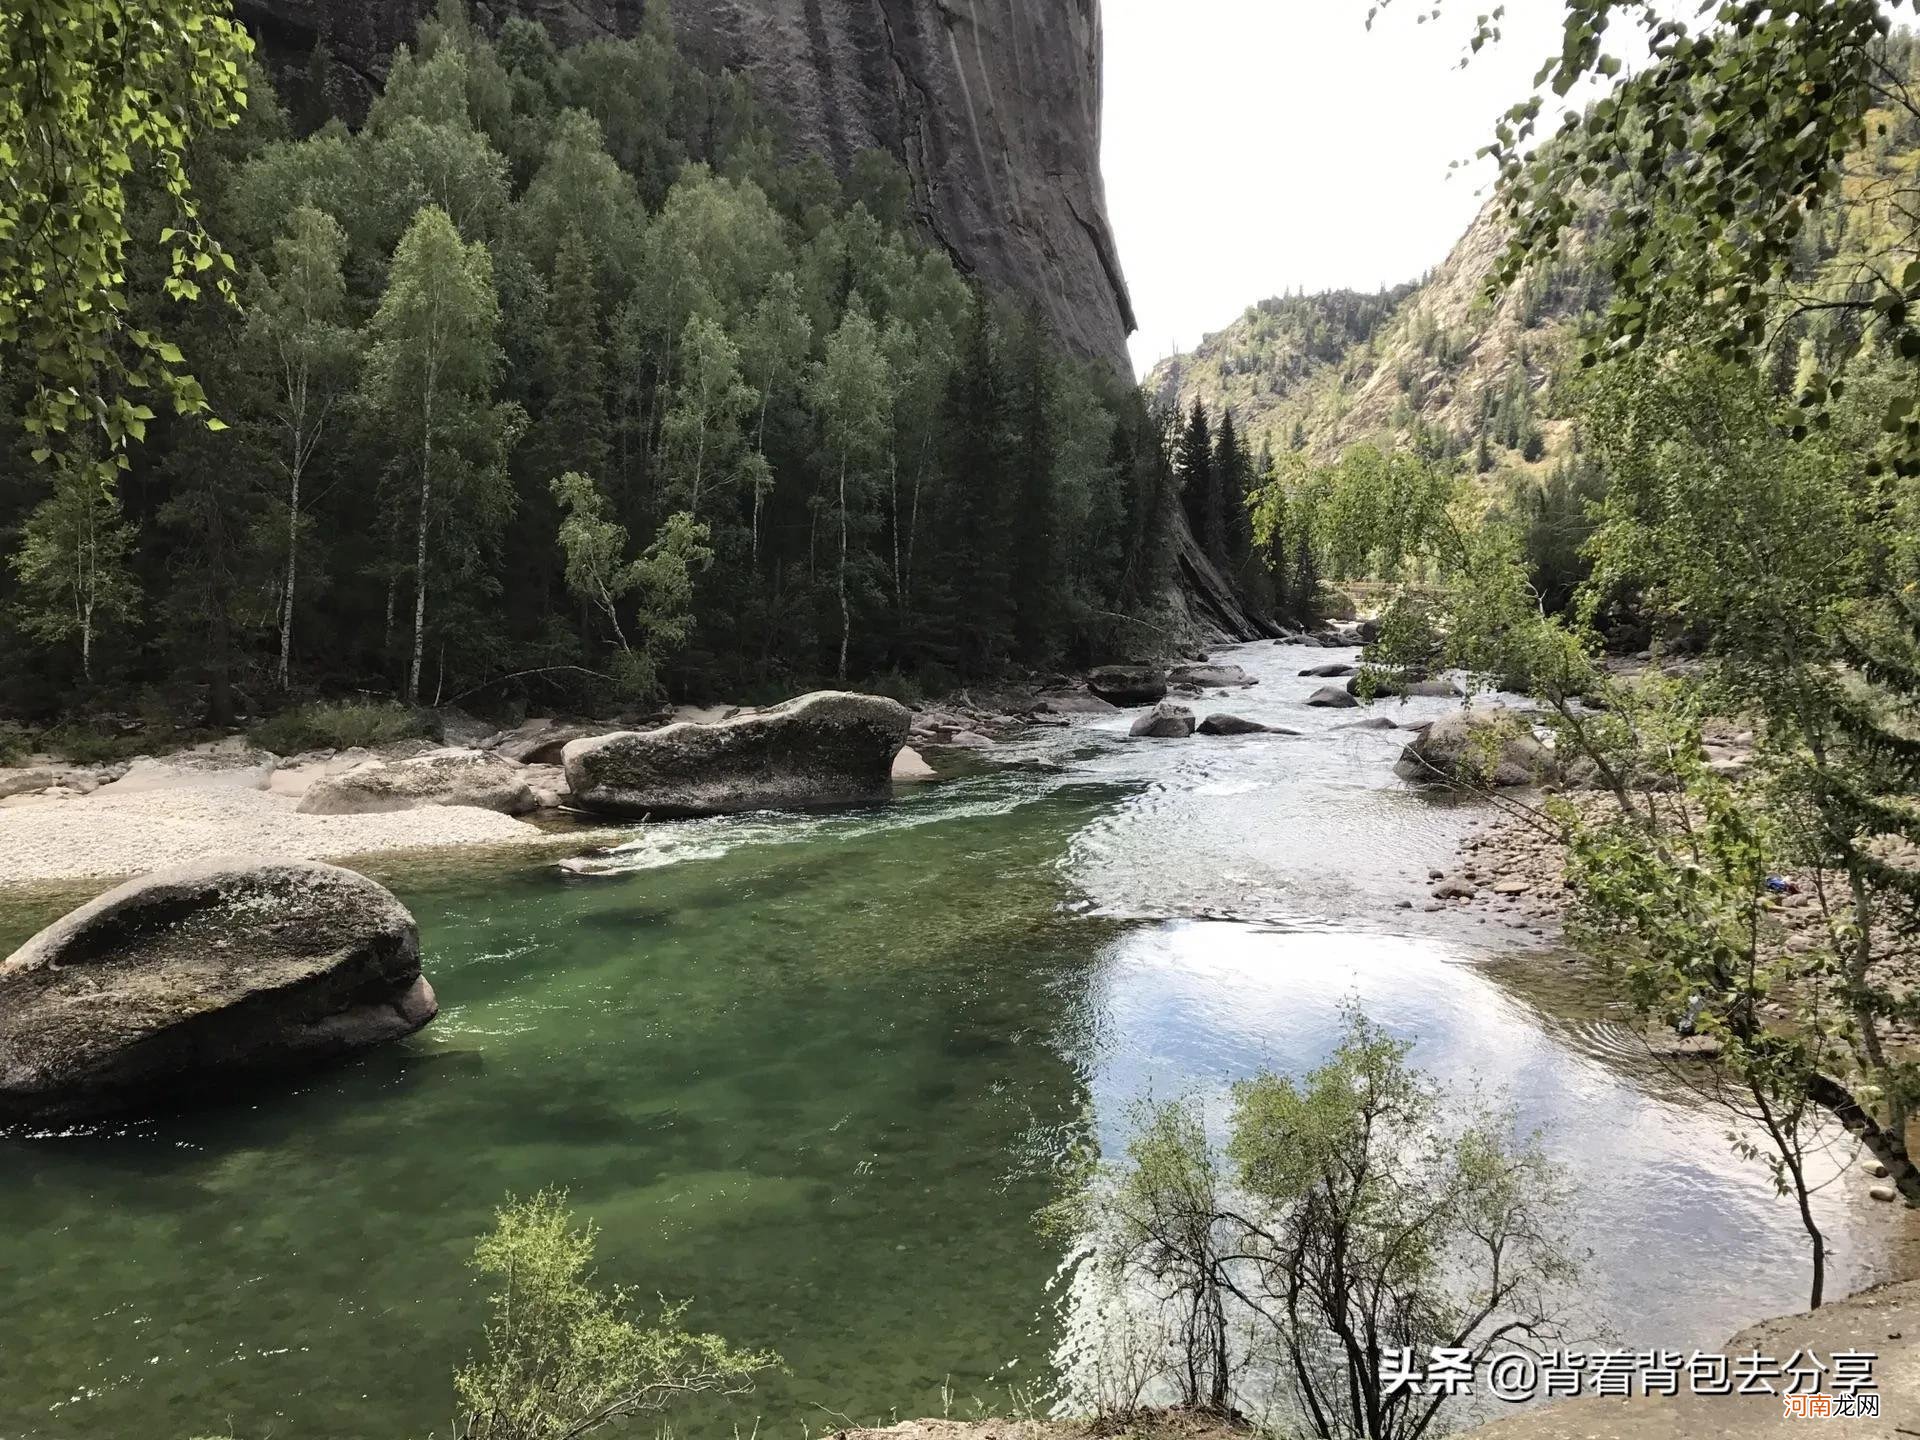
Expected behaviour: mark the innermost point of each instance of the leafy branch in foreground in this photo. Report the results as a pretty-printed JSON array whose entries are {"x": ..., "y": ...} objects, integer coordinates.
[
  {"x": 90, "y": 92},
  {"x": 564, "y": 1358}
]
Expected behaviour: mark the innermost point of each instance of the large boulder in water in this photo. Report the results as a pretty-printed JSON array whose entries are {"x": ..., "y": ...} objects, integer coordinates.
[
  {"x": 1166, "y": 721},
  {"x": 446, "y": 777},
  {"x": 825, "y": 749},
  {"x": 1224, "y": 724},
  {"x": 1478, "y": 746},
  {"x": 192, "y": 980},
  {"x": 1329, "y": 698},
  {"x": 1128, "y": 684}
]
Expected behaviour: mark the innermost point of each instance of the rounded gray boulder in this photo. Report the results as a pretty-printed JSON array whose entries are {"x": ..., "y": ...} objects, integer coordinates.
[
  {"x": 194, "y": 979},
  {"x": 1166, "y": 721},
  {"x": 1478, "y": 746},
  {"x": 826, "y": 749}
]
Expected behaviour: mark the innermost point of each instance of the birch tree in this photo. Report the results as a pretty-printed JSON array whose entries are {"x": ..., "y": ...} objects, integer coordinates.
[
  {"x": 430, "y": 372},
  {"x": 855, "y": 404},
  {"x": 305, "y": 352}
]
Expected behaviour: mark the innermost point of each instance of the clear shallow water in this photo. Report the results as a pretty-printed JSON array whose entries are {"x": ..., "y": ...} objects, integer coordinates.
[{"x": 814, "y": 1073}]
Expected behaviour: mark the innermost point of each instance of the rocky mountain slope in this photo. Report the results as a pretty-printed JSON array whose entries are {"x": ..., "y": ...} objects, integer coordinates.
[
  {"x": 993, "y": 109},
  {"x": 1439, "y": 361}
]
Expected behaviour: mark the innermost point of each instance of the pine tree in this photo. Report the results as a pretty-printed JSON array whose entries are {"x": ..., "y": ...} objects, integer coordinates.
[
  {"x": 1034, "y": 581},
  {"x": 979, "y": 576},
  {"x": 574, "y": 432},
  {"x": 1193, "y": 462}
]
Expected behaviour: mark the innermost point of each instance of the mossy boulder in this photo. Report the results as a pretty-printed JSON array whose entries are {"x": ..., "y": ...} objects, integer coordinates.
[
  {"x": 1478, "y": 746},
  {"x": 199, "y": 980},
  {"x": 823, "y": 750}
]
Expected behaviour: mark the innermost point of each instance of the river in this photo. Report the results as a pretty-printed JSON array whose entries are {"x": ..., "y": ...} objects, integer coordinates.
[{"x": 814, "y": 1073}]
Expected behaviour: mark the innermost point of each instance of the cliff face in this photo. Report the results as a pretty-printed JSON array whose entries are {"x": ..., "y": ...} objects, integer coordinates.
[{"x": 993, "y": 105}]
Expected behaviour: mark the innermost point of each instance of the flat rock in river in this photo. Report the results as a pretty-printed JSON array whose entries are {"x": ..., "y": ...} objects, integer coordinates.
[
  {"x": 1223, "y": 724},
  {"x": 1332, "y": 671},
  {"x": 1207, "y": 676},
  {"x": 191, "y": 979},
  {"x": 825, "y": 749},
  {"x": 1128, "y": 684}
]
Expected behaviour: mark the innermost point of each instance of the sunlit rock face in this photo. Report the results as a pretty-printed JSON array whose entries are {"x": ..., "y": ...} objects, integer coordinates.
[{"x": 993, "y": 105}]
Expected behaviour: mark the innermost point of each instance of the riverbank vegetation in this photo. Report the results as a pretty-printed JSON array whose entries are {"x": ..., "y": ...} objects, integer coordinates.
[
  {"x": 555, "y": 375},
  {"x": 1357, "y": 1223},
  {"x": 1744, "y": 496}
]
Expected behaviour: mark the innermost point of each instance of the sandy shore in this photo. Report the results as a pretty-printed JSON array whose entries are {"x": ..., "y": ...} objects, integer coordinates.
[{"x": 107, "y": 835}]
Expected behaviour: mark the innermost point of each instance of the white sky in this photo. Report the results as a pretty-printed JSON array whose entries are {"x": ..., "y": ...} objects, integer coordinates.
[{"x": 1257, "y": 146}]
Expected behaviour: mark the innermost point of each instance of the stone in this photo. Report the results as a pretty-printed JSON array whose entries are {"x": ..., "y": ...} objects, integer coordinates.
[
  {"x": 540, "y": 742},
  {"x": 1876, "y": 1169},
  {"x": 1166, "y": 721},
  {"x": 1207, "y": 676},
  {"x": 29, "y": 781},
  {"x": 1329, "y": 671},
  {"x": 1224, "y": 724},
  {"x": 1328, "y": 697},
  {"x": 446, "y": 777},
  {"x": 1454, "y": 890},
  {"x": 231, "y": 763},
  {"x": 1128, "y": 684},
  {"x": 968, "y": 740},
  {"x": 1480, "y": 745},
  {"x": 201, "y": 978},
  {"x": 1072, "y": 702},
  {"x": 1511, "y": 887},
  {"x": 830, "y": 748},
  {"x": 910, "y": 768},
  {"x": 1885, "y": 1194},
  {"x": 1372, "y": 722}
]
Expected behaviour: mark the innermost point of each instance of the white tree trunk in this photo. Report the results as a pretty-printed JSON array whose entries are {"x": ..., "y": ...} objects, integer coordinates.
[
  {"x": 846, "y": 619},
  {"x": 420, "y": 546}
]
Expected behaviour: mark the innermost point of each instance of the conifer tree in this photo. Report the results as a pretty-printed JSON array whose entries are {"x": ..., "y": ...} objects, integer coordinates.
[
  {"x": 979, "y": 533},
  {"x": 1193, "y": 462},
  {"x": 574, "y": 432},
  {"x": 1034, "y": 560}
]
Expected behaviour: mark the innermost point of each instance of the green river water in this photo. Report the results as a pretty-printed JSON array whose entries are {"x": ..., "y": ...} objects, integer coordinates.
[{"x": 815, "y": 1072}]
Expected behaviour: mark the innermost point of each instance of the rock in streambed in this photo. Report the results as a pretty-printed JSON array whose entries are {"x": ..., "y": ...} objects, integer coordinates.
[
  {"x": 197, "y": 979},
  {"x": 821, "y": 750}
]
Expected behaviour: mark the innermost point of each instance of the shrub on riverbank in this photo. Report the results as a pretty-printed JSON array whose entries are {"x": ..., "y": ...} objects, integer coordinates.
[{"x": 338, "y": 725}]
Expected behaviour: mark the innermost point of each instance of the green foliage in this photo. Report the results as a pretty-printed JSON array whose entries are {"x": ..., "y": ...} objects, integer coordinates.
[
  {"x": 91, "y": 93},
  {"x": 1353, "y": 1214},
  {"x": 338, "y": 725},
  {"x": 72, "y": 563},
  {"x": 661, "y": 578},
  {"x": 534, "y": 261},
  {"x": 565, "y": 1358}
]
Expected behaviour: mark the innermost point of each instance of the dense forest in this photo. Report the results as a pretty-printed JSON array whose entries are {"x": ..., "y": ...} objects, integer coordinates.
[{"x": 559, "y": 378}]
